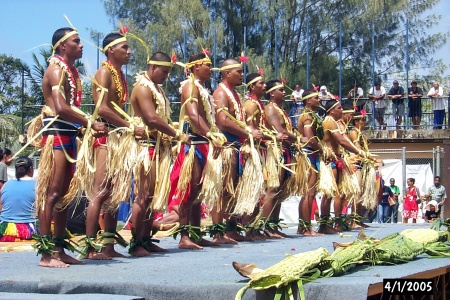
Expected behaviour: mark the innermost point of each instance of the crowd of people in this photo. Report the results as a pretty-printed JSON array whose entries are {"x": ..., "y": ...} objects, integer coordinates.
[
  {"x": 242, "y": 159},
  {"x": 377, "y": 95}
]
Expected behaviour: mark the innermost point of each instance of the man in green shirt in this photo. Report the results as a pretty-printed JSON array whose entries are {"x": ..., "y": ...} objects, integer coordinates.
[{"x": 396, "y": 191}]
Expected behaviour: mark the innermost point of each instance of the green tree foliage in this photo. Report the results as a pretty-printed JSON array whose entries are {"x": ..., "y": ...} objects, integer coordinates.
[{"x": 290, "y": 18}]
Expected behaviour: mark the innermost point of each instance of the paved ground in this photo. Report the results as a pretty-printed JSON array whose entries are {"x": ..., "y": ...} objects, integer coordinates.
[{"x": 181, "y": 274}]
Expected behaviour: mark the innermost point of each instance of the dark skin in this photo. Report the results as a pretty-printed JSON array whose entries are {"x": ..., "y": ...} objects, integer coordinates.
[
  {"x": 118, "y": 55},
  {"x": 144, "y": 106},
  {"x": 308, "y": 130},
  {"x": 231, "y": 78},
  {"x": 70, "y": 50},
  {"x": 275, "y": 121},
  {"x": 197, "y": 117}
]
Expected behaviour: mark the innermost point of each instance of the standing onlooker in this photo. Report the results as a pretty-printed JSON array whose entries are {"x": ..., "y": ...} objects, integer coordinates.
[
  {"x": 437, "y": 93},
  {"x": 415, "y": 104},
  {"x": 396, "y": 191},
  {"x": 377, "y": 94},
  {"x": 437, "y": 192},
  {"x": 17, "y": 204},
  {"x": 297, "y": 105},
  {"x": 396, "y": 94},
  {"x": 354, "y": 97},
  {"x": 5, "y": 161},
  {"x": 324, "y": 97},
  {"x": 384, "y": 207},
  {"x": 410, "y": 205}
]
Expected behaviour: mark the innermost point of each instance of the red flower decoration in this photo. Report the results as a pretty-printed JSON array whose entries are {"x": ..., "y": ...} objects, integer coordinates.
[
  {"x": 355, "y": 107},
  {"x": 243, "y": 59},
  {"x": 336, "y": 97},
  {"x": 123, "y": 30},
  {"x": 363, "y": 112},
  {"x": 173, "y": 59},
  {"x": 283, "y": 81},
  {"x": 260, "y": 72},
  {"x": 205, "y": 51},
  {"x": 316, "y": 87}
]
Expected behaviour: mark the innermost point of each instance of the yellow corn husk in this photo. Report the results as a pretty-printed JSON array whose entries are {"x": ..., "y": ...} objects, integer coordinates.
[
  {"x": 251, "y": 184},
  {"x": 421, "y": 235},
  {"x": 162, "y": 185},
  {"x": 186, "y": 172},
  {"x": 327, "y": 182},
  {"x": 212, "y": 180},
  {"x": 46, "y": 163},
  {"x": 227, "y": 158},
  {"x": 343, "y": 259},
  {"x": 123, "y": 161},
  {"x": 369, "y": 197},
  {"x": 289, "y": 269},
  {"x": 272, "y": 167}
]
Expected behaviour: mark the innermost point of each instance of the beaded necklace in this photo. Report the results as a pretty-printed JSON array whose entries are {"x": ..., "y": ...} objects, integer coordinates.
[
  {"x": 73, "y": 78},
  {"x": 120, "y": 83}
]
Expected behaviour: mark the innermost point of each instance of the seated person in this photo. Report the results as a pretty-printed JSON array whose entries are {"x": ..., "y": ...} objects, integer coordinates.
[
  {"x": 17, "y": 217},
  {"x": 432, "y": 211}
]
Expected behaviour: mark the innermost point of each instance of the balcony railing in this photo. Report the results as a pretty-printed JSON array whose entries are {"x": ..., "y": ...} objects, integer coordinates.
[{"x": 427, "y": 120}]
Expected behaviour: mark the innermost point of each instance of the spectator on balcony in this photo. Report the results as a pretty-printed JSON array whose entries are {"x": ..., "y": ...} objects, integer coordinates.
[
  {"x": 324, "y": 96},
  {"x": 297, "y": 105},
  {"x": 377, "y": 94},
  {"x": 415, "y": 104},
  {"x": 354, "y": 96},
  {"x": 436, "y": 94},
  {"x": 396, "y": 94}
]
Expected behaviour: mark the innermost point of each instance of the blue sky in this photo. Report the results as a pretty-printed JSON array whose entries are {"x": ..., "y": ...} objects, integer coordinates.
[{"x": 25, "y": 24}]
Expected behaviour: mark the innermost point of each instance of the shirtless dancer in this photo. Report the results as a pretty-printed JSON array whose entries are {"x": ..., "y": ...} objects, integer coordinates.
[
  {"x": 62, "y": 88},
  {"x": 310, "y": 126},
  {"x": 255, "y": 118},
  {"x": 110, "y": 77},
  {"x": 230, "y": 112},
  {"x": 150, "y": 104},
  {"x": 336, "y": 140},
  {"x": 277, "y": 119},
  {"x": 199, "y": 121}
]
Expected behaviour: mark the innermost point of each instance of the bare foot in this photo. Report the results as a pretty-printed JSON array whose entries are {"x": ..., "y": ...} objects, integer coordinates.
[
  {"x": 354, "y": 225},
  {"x": 140, "y": 251},
  {"x": 155, "y": 248},
  {"x": 327, "y": 229},
  {"x": 311, "y": 232},
  {"x": 111, "y": 252},
  {"x": 94, "y": 255},
  {"x": 235, "y": 236},
  {"x": 224, "y": 240},
  {"x": 68, "y": 259},
  {"x": 187, "y": 243},
  {"x": 206, "y": 243},
  {"x": 252, "y": 236},
  {"x": 51, "y": 261},
  {"x": 284, "y": 235},
  {"x": 273, "y": 235}
]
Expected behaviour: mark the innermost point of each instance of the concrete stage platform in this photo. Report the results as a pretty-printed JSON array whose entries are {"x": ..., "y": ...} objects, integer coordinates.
[{"x": 204, "y": 274}]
